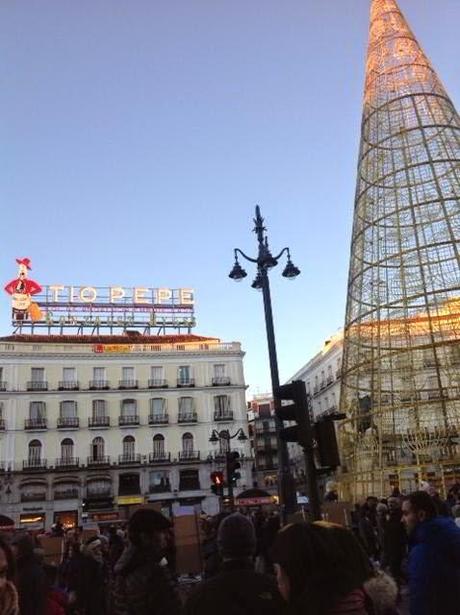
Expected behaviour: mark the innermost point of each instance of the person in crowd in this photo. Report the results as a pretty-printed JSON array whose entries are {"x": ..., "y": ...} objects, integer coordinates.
[
  {"x": 434, "y": 557},
  {"x": 394, "y": 540},
  {"x": 368, "y": 531},
  {"x": 31, "y": 580},
  {"x": 88, "y": 579},
  {"x": 116, "y": 546},
  {"x": 9, "y": 601},
  {"x": 210, "y": 549},
  {"x": 56, "y": 599},
  {"x": 237, "y": 588},
  {"x": 322, "y": 569},
  {"x": 142, "y": 586},
  {"x": 456, "y": 514}
]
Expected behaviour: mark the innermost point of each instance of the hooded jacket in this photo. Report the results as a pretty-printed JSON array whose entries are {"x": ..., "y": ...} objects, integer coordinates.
[
  {"x": 142, "y": 586},
  {"x": 434, "y": 568}
]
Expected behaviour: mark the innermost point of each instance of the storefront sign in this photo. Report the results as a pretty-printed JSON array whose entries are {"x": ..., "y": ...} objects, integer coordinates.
[
  {"x": 100, "y": 517},
  {"x": 32, "y": 521},
  {"x": 60, "y": 305},
  {"x": 254, "y": 501},
  {"x": 125, "y": 500}
]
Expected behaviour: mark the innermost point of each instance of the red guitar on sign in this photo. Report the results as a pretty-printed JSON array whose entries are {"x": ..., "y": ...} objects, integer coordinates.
[{"x": 21, "y": 290}]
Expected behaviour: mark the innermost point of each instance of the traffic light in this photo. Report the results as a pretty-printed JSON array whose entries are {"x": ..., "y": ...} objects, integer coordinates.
[
  {"x": 217, "y": 480},
  {"x": 297, "y": 411},
  {"x": 326, "y": 442},
  {"x": 232, "y": 466}
]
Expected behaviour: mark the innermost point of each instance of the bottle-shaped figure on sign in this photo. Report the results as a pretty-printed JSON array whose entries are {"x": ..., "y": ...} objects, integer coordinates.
[{"x": 21, "y": 290}]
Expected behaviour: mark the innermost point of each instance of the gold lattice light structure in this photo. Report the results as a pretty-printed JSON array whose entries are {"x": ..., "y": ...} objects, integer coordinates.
[{"x": 401, "y": 365}]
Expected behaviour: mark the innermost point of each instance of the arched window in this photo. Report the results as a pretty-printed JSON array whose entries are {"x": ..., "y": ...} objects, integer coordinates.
[
  {"x": 98, "y": 449},
  {"x": 129, "y": 447},
  {"x": 224, "y": 442},
  {"x": 187, "y": 443},
  {"x": 67, "y": 449},
  {"x": 35, "y": 452},
  {"x": 158, "y": 445}
]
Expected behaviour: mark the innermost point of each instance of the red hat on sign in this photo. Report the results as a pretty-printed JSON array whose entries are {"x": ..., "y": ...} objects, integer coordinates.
[{"x": 24, "y": 261}]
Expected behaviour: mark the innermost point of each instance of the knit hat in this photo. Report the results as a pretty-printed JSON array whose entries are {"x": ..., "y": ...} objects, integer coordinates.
[{"x": 236, "y": 537}]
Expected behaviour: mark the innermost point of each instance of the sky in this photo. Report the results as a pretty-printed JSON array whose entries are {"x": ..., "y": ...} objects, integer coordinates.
[{"x": 137, "y": 136}]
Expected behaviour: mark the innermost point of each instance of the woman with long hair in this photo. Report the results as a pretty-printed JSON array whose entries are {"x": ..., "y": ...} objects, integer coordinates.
[
  {"x": 323, "y": 570},
  {"x": 9, "y": 602}
]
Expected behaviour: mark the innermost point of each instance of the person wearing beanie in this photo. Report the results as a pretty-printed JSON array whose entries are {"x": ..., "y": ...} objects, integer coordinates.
[
  {"x": 143, "y": 586},
  {"x": 237, "y": 588},
  {"x": 90, "y": 579}
]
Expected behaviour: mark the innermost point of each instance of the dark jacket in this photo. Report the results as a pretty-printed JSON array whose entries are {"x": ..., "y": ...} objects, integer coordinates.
[
  {"x": 237, "y": 590},
  {"x": 434, "y": 568},
  {"x": 394, "y": 538},
  {"x": 142, "y": 586},
  {"x": 31, "y": 578},
  {"x": 89, "y": 582}
]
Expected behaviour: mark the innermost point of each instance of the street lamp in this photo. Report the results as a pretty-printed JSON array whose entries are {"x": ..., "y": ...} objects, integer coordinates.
[
  {"x": 231, "y": 458},
  {"x": 264, "y": 262}
]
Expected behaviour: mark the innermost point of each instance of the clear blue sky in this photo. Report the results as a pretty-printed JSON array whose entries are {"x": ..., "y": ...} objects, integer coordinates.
[{"x": 137, "y": 136}]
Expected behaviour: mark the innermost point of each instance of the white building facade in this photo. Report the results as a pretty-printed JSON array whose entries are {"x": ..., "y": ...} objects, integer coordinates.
[{"x": 93, "y": 426}]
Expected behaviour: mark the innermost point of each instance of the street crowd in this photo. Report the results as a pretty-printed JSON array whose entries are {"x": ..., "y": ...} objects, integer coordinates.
[{"x": 252, "y": 565}]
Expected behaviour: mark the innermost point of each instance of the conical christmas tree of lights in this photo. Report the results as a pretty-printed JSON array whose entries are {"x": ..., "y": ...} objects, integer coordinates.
[{"x": 401, "y": 364}]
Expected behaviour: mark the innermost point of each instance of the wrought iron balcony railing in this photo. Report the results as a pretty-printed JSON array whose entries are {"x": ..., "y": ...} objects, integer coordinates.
[
  {"x": 187, "y": 417},
  {"x": 37, "y": 385},
  {"x": 159, "y": 457},
  {"x": 68, "y": 422},
  {"x": 221, "y": 381},
  {"x": 34, "y": 464},
  {"x": 186, "y": 456},
  {"x": 68, "y": 385},
  {"x": 128, "y": 384},
  {"x": 128, "y": 420},
  {"x": 182, "y": 382},
  {"x": 227, "y": 415},
  {"x": 158, "y": 419},
  {"x": 99, "y": 385},
  {"x": 67, "y": 462},
  {"x": 155, "y": 383},
  {"x": 129, "y": 459},
  {"x": 99, "y": 460},
  {"x": 99, "y": 421},
  {"x": 35, "y": 424}
]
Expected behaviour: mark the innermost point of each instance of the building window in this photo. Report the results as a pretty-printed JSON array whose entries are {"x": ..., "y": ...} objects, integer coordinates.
[
  {"x": 99, "y": 487},
  {"x": 128, "y": 408},
  {"x": 219, "y": 370},
  {"x": 222, "y": 405},
  {"x": 35, "y": 452},
  {"x": 158, "y": 445},
  {"x": 187, "y": 443},
  {"x": 68, "y": 410},
  {"x": 158, "y": 407},
  {"x": 37, "y": 375},
  {"x": 67, "y": 449},
  {"x": 99, "y": 374},
  {"x": 186, "y": 408},
  {"x": 129, "y": 484},
  {"x": 129, "y": 447},
  {"x": 189, "y": 480},
  {"x": 159, "y": 482},
  {"x": 37, "y": 410},
  {"x": 183, "y": 374},
  {"x": 69, "y": 374},
  {"x": 99, "y": 409},
  {"x": 98, "y": 448},
  {"x": 224, "y": 442}
]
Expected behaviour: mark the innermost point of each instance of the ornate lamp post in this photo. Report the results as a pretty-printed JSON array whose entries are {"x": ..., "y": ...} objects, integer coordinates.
[{"x": 264, "y": 262}]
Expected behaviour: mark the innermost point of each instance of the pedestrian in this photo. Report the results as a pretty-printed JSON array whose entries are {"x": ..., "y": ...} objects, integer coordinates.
[
  {"x": 322, "y": 569},
  {"x": 142, "y": 586},
  {"x": 9, "y": 601},
  {"x": 237, "y": 589},
  {"x": 31, "y": 580},
  {"x": 394, "y": 540},
  {"x": 89, "y": 579},
  {"x": 434, "y": 558}
]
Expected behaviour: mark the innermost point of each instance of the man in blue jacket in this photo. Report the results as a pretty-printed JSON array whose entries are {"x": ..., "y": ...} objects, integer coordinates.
[{"x": 434, "y": 558}]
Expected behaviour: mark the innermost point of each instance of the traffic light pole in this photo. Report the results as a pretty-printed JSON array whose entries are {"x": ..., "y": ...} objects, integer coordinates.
[
  {"x": 310, "y": 468},
  {"x": 229, "y": 481},
  {"x": 286, "y": 490}
]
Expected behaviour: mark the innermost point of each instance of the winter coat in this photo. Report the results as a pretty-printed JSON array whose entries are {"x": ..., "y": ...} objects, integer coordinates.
[
  {"x": 31, "y": 579},
  {"x": 142, "y": 586},
  {"x": 434, "y": 568},
  {"x": 89, "y": 584},
  {"x": 394, "y": 538},
  {"x": 56, "y": 603},
  {"x": 9, "y": 601},
  {"x": 237, "y": 590},
  {"x": 377, "y": 597}
]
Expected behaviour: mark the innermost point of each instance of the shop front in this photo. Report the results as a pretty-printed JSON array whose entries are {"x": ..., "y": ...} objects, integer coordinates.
[
  {"x": 32, "y": 521},
  {"x": 67, "y": 518}
]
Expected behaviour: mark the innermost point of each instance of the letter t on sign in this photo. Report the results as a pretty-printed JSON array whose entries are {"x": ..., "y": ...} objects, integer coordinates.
[{"x": 55, "y": 291}]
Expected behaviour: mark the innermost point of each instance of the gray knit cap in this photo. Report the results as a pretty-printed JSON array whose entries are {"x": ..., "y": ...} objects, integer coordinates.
[{"x": 236, "y": 537}]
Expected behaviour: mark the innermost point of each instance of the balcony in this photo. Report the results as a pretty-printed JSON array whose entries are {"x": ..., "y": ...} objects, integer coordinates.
[
  {"x": 2, "y": 424},
  {"x": 223, "y": 416},
  {"x": 129, "y": 459},
  {"x": 128, "y": 384},
  {"x": 68, "y": 385},
  {"x": 67, "y": 494},
  {"x": 35, "y": 424},
  {"x": 99, "y": 421},
  {"x": 183, "y": 384},
  {"x": 33, "y": 497},
  {"x": 37, "y": 385},
  {"x": 159, "y": 457},
  {"x": 165, "y": 488},
  {"x": 128, "y": 420},
  {"x": 100, "y": 460},
  {"x": 155, "y": 383},
  {"x": 221, "y": 381},
  {"x": 187, "y": 417},
  {"x": 35, "y": 465},
  {"x": 68, "y": 422},
  {"x": 98, "y": 494},
  {"x": 3, "y": 385},
  {"x": 188, "y": 456},
  {"x": 99, "y": 385},
  {"x": 66, "y": 463},
  {"x": 158, "y": 419}
]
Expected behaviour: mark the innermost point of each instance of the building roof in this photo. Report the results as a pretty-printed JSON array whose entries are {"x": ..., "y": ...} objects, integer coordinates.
[{"x": 109, "y": 339}]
